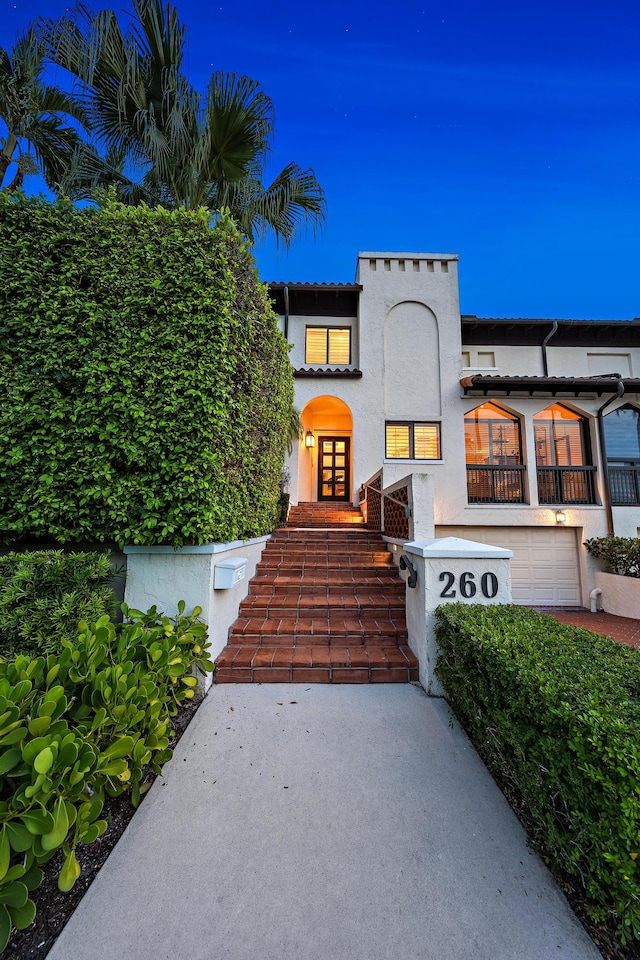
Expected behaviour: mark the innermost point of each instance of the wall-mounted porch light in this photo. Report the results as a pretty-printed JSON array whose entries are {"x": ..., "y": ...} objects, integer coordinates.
[
  {"x": 561, "y": 516},
  {"x": 309, "y": 439}
]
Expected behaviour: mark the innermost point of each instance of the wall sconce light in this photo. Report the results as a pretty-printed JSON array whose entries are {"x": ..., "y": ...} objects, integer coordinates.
[
  {"x": 561, "y": 516},
  {"x": 309, "y": 439}
]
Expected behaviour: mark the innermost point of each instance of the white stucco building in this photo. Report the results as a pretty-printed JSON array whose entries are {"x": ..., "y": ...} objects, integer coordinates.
[{"x": 521, "y": 433}]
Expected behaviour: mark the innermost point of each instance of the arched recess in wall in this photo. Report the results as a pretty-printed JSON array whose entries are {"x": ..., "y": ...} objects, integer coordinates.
[
  {"x": 411, "y": 363},
  {"x": 325, "y": 457}
]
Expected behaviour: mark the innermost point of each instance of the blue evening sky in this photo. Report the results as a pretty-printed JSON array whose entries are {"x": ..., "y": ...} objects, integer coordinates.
[{"x": 507, "y": 132}]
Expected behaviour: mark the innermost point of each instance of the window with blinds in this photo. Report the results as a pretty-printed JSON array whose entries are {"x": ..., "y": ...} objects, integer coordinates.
[
  {"x": 559, "y": 436},
  {"x": 412, "y": 441},
  {"x": 328, "y": 345},
  {"x": 492, "y": 436}
]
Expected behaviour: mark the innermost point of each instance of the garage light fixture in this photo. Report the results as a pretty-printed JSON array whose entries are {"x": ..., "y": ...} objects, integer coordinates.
[{"x": 561, "y": 516}]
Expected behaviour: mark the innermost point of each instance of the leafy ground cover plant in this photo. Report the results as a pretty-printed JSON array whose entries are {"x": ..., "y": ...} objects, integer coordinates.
[
  {"x": 78, "y": 727},
  {"x": 43, "y": 595},
  {"x": 620, "y": 554},
  {"x": 555, "y": 713}
]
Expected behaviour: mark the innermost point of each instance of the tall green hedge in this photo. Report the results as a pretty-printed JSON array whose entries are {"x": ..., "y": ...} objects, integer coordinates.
[{"x": 145, "y": 390}]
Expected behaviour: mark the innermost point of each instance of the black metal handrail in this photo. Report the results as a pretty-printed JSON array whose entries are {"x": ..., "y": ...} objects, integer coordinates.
[
  {"x": 495, "y": 484},
  {"x": 567, "y": 485}
]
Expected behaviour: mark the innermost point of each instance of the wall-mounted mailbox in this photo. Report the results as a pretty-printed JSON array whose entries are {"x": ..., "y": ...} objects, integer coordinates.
[{"x": 229, "y": 572}]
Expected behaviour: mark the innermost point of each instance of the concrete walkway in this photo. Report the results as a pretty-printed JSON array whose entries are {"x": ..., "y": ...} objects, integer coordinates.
[{"x": 316, "y": 822}]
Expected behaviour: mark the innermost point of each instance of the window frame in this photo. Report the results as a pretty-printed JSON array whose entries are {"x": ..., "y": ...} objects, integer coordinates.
[
  {"x": 411, "y": 424},
  {"x": 509, "y": 417},
  {"x": 616, "y": 458},
  {"x": 327, "y": 362},
  {"x": 553, "y": 438}
]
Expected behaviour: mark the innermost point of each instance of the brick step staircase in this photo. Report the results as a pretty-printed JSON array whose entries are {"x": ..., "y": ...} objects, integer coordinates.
[
  {"x": 326, "y": 605},
  {"x": 324, "y": 514}
]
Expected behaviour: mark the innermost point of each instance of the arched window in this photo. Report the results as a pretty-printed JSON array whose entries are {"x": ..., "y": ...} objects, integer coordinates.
[
  {"x": 562, "y": 459},
  {"x": 622, "y": 434},
  {"x": 622, "y": 438},
  {"x": 494, "y": 455},
  {"x": 492, "y": 436},
  {"x": 559, "y": 436}
]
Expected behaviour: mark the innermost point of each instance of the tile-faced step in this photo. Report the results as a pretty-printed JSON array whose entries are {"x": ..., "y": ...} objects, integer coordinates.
[
  {"x": 326, "y": 605},
  {"x": 313, "y": 664}
]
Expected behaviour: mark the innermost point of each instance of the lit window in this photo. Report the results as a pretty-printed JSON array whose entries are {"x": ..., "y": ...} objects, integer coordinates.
[
  {"x": 412, "y": 441},
  {"x": 492, "y": 436},
  {"x": 559, "y": 436},
  {"x": 495, "y": 473},
  {"x": 328, "y": 345}
]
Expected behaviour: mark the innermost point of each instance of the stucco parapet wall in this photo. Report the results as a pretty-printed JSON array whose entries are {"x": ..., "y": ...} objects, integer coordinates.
[
  {"x": 202, "y": 548},
  {"x": 395, "y": 255},
  {"x": 456, "y": 547}
]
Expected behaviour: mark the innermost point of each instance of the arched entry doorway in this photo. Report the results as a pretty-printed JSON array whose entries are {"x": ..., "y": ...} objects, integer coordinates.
[{"x": 325, "y": 459}]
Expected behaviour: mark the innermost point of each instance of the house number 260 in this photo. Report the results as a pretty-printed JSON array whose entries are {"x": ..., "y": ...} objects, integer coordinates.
[{"x": 468, "y": 586}]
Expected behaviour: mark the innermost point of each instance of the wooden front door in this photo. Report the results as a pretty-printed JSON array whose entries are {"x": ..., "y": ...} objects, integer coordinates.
[{"x": 333, "y": 468}]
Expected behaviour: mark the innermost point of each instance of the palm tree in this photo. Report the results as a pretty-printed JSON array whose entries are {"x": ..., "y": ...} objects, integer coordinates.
[
  {"x": 176, "y": 147},
  {"x": 34, "y": 115}
]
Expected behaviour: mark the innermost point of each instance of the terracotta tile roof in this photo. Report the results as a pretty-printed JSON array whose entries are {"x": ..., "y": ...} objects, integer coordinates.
[
  {"x": 327, "y": 372},
  {"x": 313, "y": 287},
  {"x": 486, "y": 385},
  {"x": 472, "y": 318}
]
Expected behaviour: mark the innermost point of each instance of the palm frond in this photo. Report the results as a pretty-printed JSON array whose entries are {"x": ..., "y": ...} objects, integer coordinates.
[
  {"x": 293, "y": 201},
  {"x": 35, "y": 112},
  {"x": 180, "y": 148}
]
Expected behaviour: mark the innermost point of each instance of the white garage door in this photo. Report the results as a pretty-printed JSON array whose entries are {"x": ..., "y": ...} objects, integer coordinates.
[{"x": 544, "y": 570}]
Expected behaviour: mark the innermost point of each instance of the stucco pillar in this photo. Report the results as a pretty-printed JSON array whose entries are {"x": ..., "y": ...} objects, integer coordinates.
[
  {"x": 449, "y": 570},
  {"x": 422, "y": 492}
]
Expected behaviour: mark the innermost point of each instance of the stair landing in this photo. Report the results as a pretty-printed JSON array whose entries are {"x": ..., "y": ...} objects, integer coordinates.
[{"x": 326, "y": 606}]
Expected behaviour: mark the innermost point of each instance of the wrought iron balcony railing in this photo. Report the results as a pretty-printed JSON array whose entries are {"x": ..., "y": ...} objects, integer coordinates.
[
  {"x": 567, "y": 485},
  {"x": 490, "y": 484},
  {"x": 624, "y": 485}
]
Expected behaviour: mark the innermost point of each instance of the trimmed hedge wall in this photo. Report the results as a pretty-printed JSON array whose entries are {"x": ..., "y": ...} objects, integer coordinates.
[
  {"x": 145, "y": 390},
  {"x": 554, "y": 711}
]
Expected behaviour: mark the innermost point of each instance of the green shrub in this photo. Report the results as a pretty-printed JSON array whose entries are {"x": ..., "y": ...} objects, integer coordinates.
[
  {"x": 45, "y": 593},
  {"x": 145, "y": 389},
  {"x": 555, "y": 713},
  {"x": 283, "y": 508},
  {"x": 76, "y": 727},
  {"x": 620, "y": 554}
]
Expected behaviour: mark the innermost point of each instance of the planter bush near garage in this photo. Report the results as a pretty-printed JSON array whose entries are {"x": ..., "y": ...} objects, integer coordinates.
[
  {"x": 620, "y": 587},
  {"x": 146, "y": 389},
  {"x": 80, "y": 726},
  {"x": 554, "y": 711},
  {"x": 620, "y": 554}
]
